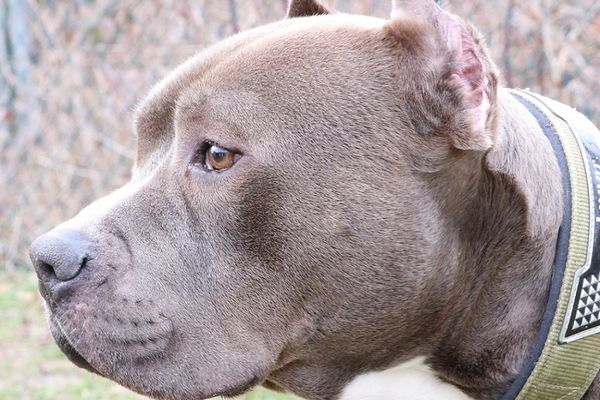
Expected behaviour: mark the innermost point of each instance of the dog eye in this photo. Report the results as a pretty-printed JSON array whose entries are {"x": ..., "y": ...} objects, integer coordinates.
[{"x": 218, "y": 158}]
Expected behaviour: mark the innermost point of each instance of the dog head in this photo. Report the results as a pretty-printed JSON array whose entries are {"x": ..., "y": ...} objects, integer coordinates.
[{"x": 284, "y": 222}]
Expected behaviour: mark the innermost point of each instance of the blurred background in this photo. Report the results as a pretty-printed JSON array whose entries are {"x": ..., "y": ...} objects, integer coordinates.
[{"x": 71, "y": 73}]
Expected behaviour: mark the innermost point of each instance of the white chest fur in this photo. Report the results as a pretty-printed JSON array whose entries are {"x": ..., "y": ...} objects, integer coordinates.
[{"x": 412, "y": 380}]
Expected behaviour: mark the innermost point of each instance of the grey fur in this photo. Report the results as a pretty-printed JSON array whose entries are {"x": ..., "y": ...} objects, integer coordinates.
[{"x": 367, "y": 223}]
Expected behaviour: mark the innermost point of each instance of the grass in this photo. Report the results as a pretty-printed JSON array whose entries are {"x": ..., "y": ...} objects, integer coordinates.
[{"x": 31, "y": 365}]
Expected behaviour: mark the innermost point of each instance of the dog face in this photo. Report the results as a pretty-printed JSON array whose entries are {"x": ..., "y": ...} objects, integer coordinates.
[{"x": 281, "y": 225}]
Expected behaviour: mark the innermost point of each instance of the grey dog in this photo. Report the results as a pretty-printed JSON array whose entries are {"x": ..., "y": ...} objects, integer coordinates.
[{"x": 338, "y": 206}]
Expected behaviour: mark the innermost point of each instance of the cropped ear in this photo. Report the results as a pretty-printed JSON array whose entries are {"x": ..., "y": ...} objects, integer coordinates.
[
  {"x": 465, "y": 76},
  {"x": 306, "y": 8}
]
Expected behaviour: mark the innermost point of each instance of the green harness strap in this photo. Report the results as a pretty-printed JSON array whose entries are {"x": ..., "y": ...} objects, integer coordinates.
[{"x": 567, "y": 366}]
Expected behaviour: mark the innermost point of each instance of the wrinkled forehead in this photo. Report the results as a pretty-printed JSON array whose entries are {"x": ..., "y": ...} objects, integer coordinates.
[
  {"x": 233, "y": 72},
  {"x": 257, "y": 81}
]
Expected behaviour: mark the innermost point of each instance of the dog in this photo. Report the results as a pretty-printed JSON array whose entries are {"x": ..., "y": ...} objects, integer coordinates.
[{"x": 337, "y": 206}]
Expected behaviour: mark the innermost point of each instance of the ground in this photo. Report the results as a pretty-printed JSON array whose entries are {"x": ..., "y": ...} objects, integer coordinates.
[{"x": 33, "y": 368}]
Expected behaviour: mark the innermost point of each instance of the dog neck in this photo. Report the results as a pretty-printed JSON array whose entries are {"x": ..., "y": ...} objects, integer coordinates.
[{"x": 501, "y": 233}]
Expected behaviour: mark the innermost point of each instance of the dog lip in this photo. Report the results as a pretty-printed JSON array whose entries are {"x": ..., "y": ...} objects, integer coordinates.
[
  {"x": 235, "y": 390},
  {"x": 121, "y": 338},
  {"x": 77, "y": 358},
  {"x": 67, "y": 348}
]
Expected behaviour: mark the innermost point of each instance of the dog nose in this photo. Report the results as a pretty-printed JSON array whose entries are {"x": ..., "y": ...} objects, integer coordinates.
[{"x": 59, "y": 256}]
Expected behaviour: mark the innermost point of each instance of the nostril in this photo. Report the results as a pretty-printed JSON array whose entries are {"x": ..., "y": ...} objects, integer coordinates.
[{"x": 46, "y": 270}]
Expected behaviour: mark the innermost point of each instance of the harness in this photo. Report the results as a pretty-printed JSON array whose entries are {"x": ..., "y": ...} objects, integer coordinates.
[{"x": 565, "y": 357}]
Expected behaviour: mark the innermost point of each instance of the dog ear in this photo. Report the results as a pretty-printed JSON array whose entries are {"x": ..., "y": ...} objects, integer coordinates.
[
  {"x": 464, "y": 73},
  {"x": 306, "y": 8}
]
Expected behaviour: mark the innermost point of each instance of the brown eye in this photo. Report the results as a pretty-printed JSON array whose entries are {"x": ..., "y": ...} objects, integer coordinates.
[{"x": 219, "y": 158}]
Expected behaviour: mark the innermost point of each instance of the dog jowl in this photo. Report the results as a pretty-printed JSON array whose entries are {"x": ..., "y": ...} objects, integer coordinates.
[{"x": 314, "y": 200}]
